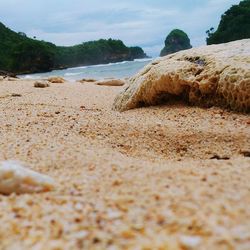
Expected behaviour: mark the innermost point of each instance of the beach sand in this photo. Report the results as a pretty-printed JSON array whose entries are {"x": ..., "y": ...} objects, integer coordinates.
[{"x": 141, "y": 179}]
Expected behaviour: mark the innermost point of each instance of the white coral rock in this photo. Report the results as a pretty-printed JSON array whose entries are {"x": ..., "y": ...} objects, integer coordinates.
[
  {"x": 16, "y": 177},
  {"x": 215, "y": 75}
]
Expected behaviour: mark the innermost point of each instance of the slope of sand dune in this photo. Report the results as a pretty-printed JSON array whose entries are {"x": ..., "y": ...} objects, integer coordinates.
[{"x": 163, "y": 177}]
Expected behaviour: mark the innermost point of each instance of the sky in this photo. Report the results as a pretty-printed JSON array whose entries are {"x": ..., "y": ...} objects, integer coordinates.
[{"x": 144, "y": 23}]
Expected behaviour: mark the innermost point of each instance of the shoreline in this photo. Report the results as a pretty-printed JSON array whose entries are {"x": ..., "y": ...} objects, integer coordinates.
[{"x": 83, "y": 71}]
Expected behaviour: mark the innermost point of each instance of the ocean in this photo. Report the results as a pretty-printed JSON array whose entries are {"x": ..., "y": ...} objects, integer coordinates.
[{"x": 101, "y": 71}]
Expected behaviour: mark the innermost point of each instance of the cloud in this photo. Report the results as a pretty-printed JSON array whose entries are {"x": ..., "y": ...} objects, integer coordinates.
[{"x": 137, "y": 22}]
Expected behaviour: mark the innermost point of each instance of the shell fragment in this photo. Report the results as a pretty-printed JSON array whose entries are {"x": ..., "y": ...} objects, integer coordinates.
[{"x": 16, "y": 177}]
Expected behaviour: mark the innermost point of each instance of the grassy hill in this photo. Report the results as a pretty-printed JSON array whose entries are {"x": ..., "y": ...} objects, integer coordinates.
[{"x": 20, "y": 54}]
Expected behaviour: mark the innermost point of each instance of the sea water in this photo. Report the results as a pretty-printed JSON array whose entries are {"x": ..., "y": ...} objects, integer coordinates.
[{"x": 101, "y": 71}]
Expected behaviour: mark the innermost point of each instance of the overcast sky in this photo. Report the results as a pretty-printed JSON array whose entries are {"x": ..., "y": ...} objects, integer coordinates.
[{"x": 144, "y": 23}]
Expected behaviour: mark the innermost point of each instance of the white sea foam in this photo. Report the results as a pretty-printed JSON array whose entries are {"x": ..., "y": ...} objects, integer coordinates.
[
  {"x": 31, "y": 76},
  {"x": 143, "y": 60},
  {"x": 72, "y": 74},
  {"x": 80, "y": 67}
]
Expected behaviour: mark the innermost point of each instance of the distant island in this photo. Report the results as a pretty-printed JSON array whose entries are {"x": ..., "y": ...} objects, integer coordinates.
[
  {"x": 21, "y": 54},
  {"x": 176, "y": 40}
]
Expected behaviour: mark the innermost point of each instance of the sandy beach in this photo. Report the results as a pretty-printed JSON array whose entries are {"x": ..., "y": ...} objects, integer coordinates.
[{"x": 163, "y": 177}]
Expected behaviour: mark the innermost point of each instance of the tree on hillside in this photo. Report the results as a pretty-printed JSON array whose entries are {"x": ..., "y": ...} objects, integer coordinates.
[
  {"x": 137, "y": 52},
  {"x": 22, "y": 34},
  {"x": 176, "y": 40},
  {"x": 234, "y": 25},
  {"x": 37, "y": 57}
]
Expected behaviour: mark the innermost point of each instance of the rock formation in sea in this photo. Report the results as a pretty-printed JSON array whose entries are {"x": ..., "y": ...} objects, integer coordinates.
[
  {"x": 216, "y": 75},
  {"x": 177, "y": 40}
]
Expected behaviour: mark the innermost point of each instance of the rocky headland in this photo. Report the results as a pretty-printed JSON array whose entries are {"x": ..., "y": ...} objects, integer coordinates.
[{"x": 20, "y": 54}]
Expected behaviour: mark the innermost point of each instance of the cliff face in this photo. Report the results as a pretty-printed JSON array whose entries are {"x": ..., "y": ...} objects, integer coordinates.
[
  {"x": 216, "y": 75},
  {"x": 177, "y": 40},
  {"x": 21, "y": 54}
]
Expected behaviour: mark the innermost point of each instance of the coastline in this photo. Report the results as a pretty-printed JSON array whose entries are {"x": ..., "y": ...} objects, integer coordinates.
[
  {"x": 149, "y": 160},
  {"x": 121, "y": 69}
]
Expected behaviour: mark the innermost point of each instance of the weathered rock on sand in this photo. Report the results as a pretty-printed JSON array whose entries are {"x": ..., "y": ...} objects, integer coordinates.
[
  {"x": 111, "y": 82},
  {"x": 41, "y": 84},
  {"x": 56, "y": 79},
  {"x": 216, "y": 75},
  {"x": 7, "y": 74},
  {"x": 87, "y": 80},
  {"x": 18, "y": 178},
  {"x": 107, "y": 82},
  {"x": 8, "y": 78}
]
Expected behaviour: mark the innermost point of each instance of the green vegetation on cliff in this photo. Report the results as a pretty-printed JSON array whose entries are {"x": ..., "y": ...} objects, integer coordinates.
[
  {"x": 176, "y": 40},
  {"x": 234, "y": 25},
  {"x": 21, "y": 54}
]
